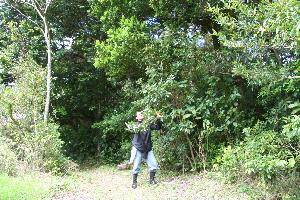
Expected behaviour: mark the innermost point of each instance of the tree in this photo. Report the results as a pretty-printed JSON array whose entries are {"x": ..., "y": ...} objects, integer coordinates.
[
  {"x": 165, "y": 59},
  {"x": 41, "y": 9},
  {"x": 210, "y": 69},
  {"x": 30, "y": 143},
  {"x": 265, "y": 35},
  {"x": 255, "y": 28},
  {"x": 81, "y": 93}
]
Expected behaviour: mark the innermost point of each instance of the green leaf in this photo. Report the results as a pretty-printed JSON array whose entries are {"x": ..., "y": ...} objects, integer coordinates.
[
  {"x": 186, "y": 116},
  {"x": 292, "y": 162},
  {"x": 295, "y": 111}
]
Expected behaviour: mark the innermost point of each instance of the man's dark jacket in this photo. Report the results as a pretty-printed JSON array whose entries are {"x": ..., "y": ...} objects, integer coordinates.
[{"x": 142, "y": 140}]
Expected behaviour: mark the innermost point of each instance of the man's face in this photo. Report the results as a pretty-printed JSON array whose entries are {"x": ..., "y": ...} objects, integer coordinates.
[{"x": 139, "y": 116}]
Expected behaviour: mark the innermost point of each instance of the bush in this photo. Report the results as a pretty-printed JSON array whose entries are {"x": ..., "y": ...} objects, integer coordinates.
[
  {"x": 40, "y": 150},
  {"x": 8, "y": 159},
  {"x": 32, "y": 142},
  {"x": 261, "y": 156}
]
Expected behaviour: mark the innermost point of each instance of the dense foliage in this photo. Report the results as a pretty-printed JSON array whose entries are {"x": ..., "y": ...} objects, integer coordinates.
[
  {"x": 223, "y": 73},
  {"x": 26, "y": 141}
]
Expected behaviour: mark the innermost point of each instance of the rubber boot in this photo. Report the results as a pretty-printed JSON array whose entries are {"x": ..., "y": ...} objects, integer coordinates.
[
  {"x": 152, "y": 176},
  {"x": 134, "y": 183}
]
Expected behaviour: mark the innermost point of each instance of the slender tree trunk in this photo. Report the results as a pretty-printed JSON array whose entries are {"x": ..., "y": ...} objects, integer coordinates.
[
  {"x": 49, "y": 65},
  {"x": 42, "y": 13}
]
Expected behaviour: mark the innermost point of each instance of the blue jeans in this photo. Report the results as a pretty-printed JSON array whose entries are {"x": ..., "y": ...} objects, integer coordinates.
[{"x": 151, "y": 162}]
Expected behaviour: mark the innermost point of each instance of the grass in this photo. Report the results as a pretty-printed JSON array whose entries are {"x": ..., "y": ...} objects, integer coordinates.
[
  {"x": 12, "y": 188},
  {"x": 31, "y": 187}
]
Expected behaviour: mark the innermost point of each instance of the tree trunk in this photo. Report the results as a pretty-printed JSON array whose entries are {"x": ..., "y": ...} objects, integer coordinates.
[{"x": 49, "y": 64}]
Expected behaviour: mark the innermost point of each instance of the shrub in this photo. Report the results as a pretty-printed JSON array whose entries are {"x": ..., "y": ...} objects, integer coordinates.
[
  {"x": 262, "y": 155},
  {"x": 32, "y": 142},
  {"x": 8, "y": 159}
]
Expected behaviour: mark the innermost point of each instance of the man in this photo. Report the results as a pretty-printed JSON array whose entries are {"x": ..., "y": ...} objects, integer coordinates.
[{"x": 143, "y": 144}]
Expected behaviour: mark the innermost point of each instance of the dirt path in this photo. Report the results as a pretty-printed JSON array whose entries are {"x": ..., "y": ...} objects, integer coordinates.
[{"x": 110, "y": 183}]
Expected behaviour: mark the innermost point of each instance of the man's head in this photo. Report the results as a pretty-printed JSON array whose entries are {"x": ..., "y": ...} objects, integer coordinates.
[{"x": 139, "y": 116}]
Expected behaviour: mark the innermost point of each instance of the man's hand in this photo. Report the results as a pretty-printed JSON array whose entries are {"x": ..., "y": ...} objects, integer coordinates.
[{"x": 158, "y": 115}]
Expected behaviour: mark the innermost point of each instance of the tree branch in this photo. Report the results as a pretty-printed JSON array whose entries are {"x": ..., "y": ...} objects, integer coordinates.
[
  {"x": 293, "y": 77},
  {"x": 28, "y": 18}
]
